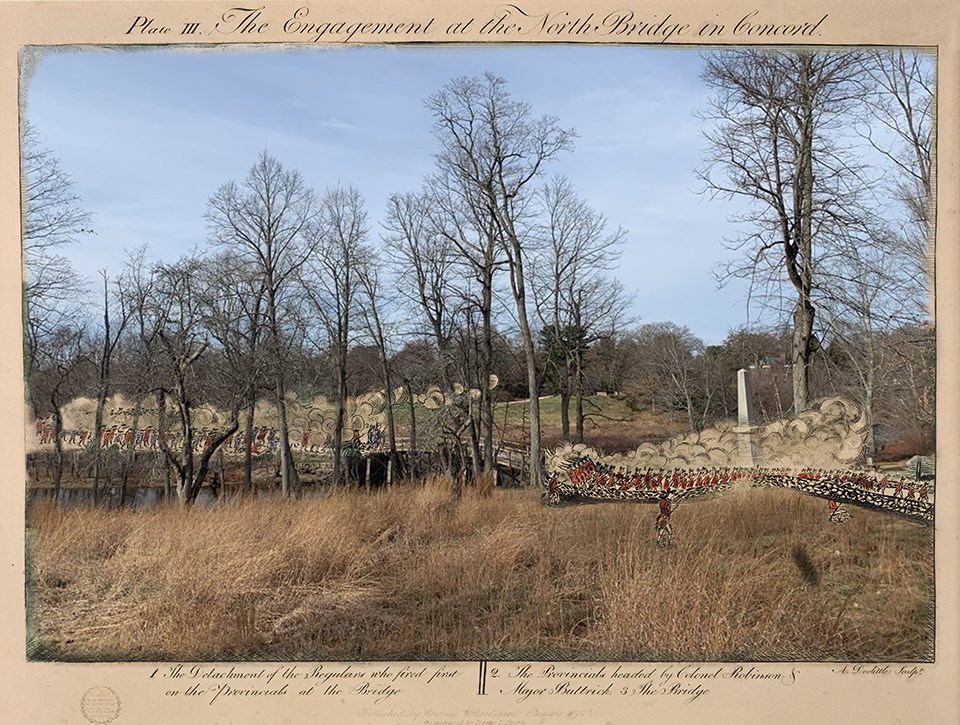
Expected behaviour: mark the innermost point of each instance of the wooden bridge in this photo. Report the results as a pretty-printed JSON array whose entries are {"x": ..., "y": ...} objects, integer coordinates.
[{"x": 373, "y": 465}]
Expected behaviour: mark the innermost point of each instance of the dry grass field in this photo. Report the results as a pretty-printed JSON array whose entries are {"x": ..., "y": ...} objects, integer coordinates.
[{"x": 403, "y": 574}]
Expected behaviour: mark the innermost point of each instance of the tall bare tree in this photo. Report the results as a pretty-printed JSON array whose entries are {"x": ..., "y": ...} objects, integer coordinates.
[
  {"x": 493, "y": 150},
  {"x": 377, "y": 326},
  {"x": 116, "y": 314},
  {"x": 331, "y": 286},
  {"x": 472, "y": 232},
  {"x": 265, "y": 219},
  {"x": 62, "y": 355},
  {"x": 234, "y": 316},
  {"x": 54, "y": 216},
  {"x": 424, "y": 263},
  {"x": 879, "y": 281},
  {"x": 174, "y": 311},
  {"x": 577, "y": 302},
  {"x": 52, "y": 219},
  {"x": 901, "y": 105},
  {"x": 869, "y": 301},
  {"x": 774, "y": 120}
]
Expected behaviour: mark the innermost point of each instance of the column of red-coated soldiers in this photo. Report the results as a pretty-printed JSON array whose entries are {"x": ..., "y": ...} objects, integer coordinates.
[
  {"x": 585, "y": 474},
  {"x": 592, "y": 481},
  {"x": 123, "y": 437},
  {"x": 264, "y": 439}
]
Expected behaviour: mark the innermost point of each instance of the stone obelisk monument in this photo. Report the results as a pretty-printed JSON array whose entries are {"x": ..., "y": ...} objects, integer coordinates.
[{"x": 746, "y": 430}]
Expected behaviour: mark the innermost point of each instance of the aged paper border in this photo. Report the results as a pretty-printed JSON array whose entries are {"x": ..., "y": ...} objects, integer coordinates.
[{"x": 52, "y": 692}]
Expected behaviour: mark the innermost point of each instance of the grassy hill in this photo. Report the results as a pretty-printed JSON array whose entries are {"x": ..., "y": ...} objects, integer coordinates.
[{"x": 611, "y": 423}]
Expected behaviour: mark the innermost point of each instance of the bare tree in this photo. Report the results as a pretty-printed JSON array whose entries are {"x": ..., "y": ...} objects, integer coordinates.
[
  {"x": 444, "y": 268},
  {"x": 331, "y": 285},
  {"x": 265, "y": 220},
  {"x": 424, "y": 262},
  {"x": 377, "y": 328},
  {"x": 142, "y": 350},
  {"x": 52, "y": 218},
  {"x": 173, "y": 315},
  {"x": 412, "y": 366},
  {"x": 908, "y": 394},
  {"x": 472, "y": 232},
  {"x": 576, "y": 301},
  {"x": 903, "y": 104},
  {"x": 899, "y": 125},
  {"x": 62, "y": 354},
  {"x": 234, "y": 295},
  {"x": 859, "y": 329},
  {"x": 492, "y": 151},
  {"x": 678, "y": 360},
  {"x": 775, "y": 117},
  {"x": 878, "y": 277},
  {"x": 116, "y": 314}
]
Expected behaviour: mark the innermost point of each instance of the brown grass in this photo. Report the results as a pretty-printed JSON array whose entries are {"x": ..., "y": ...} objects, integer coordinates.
[{"x": 406, "y": 575}]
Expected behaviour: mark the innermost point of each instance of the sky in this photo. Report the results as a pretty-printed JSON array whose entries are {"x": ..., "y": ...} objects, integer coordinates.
[{"x": 148, "y": 135}]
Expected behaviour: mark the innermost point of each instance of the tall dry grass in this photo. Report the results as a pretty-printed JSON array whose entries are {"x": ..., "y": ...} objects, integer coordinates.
[{"x": 406, "y": 575}]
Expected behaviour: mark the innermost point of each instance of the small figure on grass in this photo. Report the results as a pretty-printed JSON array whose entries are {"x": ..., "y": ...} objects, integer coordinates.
[
  {"x": 664, "y": 530},
  {"x": 838, "y": 514}
]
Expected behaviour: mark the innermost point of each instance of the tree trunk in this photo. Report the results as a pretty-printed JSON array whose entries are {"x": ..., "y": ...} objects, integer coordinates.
[
  {"x": 388, "y": 411},
  {"x": 289, "y": 481},
  {"x": 185, "y": 469},
  {"x": 578, "y": 395},
  {"x": 197, "y": 482},
  {"x": 486, "y": 398},
  {"x": 454, "y": 468},
  {"x": 102, "y": 389},
  {"x": 869, "y": 388},
  {"x": 476, "y": 456},
  {"x": 183, "y": 488},
  {"x": 536, "y": 456},
  {"x": 533, "y": 384},
  {"x": 871, "y": 442},
  {"x": 338, "y": 468},
  {"x": 130, "y": 453},
  {"x": 518, "y": 285},
  {"x": 564, "y": 411},
  {"x": 57, "y": 445},
  {"x": 167, "y": 481},
  {"x": 221, "y": 472},
  {"x": 801, "y": 352},
  {"x": 160, "y": 437},
  {"x": 248, "y": 450},
  {"x": 412, "y": 453},
  {"x": 804, "y": 312},
  {"x": 98, "y": 438}
]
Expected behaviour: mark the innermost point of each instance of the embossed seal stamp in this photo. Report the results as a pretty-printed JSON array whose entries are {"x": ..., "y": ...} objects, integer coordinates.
[{"x": 100, "y": 705}]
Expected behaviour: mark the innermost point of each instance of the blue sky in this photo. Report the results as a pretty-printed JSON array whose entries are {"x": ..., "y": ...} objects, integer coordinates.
[{"x": 149, "y": 135}]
